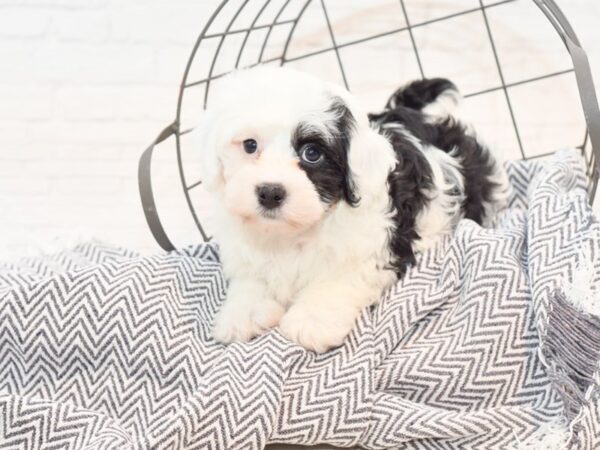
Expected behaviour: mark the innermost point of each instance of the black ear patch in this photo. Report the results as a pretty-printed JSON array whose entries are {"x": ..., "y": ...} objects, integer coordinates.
[
  {"x": 345, "y": 126},
  {"x": 331, "y": 177}
]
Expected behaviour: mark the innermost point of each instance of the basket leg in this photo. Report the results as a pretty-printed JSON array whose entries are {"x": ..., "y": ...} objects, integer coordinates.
[{"x": 146, "y": 194}]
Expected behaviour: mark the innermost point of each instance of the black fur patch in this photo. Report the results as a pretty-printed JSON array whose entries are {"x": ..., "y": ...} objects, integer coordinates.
[
  {"x": 412, "y": 175},
  {"x": 331, "y": 176},
  {"x": 419, "y": 93},
  {"x": 476, "y": 162},
  {"x": 407, "y": 183}
]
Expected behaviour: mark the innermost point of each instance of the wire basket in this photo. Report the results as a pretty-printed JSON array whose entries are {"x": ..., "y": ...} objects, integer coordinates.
[{"x": 534, "y": 97}]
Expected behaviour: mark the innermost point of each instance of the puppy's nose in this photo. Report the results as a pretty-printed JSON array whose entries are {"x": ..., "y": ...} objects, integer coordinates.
[{"x": 270, "y": 195}]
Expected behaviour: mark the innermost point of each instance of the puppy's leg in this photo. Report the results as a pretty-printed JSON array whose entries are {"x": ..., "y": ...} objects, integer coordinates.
[
  {"x": 248, "y": 311},
  {"x": 324, "y": 313}
]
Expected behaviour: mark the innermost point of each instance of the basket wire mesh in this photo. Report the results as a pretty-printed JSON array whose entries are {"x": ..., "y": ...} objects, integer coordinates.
[{"x": 267, "y": 18}]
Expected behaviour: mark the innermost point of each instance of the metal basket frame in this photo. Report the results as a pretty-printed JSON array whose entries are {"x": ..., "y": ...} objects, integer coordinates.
[{"x": 581, "y": 68}]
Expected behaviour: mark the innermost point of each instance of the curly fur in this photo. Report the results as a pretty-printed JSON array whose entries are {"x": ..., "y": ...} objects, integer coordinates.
[{"x": 350, "y": 220}]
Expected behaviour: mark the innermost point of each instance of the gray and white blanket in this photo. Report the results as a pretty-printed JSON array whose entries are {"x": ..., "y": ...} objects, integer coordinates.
[{"x": 491, "y": 341}]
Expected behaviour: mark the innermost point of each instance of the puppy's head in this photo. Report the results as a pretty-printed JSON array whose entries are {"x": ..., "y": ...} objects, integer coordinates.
[{"x": 276, "y": 145}]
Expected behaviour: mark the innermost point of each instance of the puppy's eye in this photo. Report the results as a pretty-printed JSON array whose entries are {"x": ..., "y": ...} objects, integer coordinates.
[
  {"x": 250, "y": 145},
  {"x": 311, "y": 154}
]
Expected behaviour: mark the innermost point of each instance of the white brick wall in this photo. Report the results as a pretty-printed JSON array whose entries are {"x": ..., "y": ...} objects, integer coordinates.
[{"x": 84, "y": 87}]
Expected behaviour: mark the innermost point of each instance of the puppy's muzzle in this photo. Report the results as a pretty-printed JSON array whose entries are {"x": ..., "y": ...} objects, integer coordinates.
[{"x": 270, "y": 195}]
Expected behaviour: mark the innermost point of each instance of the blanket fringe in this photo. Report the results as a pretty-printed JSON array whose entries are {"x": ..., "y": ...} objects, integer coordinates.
[
  {"x": 553, "y": 435},
  {"x": 580, "y": 292}
]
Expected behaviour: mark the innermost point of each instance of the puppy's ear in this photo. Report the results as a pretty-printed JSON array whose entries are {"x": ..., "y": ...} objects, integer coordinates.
[
  {"x": 343, "y": 128},
  {"x": 206, "y": 142},
  {"x": 350, "y": 190}
]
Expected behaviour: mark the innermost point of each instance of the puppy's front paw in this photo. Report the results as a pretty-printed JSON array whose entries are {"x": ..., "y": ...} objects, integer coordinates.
[
  {"x": 317, "y": 328},
  {"x": 241, "y": 321}
]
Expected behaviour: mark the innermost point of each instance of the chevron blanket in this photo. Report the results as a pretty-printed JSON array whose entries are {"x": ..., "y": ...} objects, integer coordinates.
[{"x": 491, "y": 341}]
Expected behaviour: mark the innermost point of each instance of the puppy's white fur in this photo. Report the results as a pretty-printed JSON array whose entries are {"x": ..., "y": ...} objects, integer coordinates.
[
  {"x": 313, "y": 268},
  {"x": 314, "y": 265}
]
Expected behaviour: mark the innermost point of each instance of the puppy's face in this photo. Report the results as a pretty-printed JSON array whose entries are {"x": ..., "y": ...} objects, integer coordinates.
[{"x": 276, "y": 145}]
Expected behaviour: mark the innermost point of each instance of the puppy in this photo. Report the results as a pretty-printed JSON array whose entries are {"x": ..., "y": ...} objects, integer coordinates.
[{"x": 322, "y": 207}]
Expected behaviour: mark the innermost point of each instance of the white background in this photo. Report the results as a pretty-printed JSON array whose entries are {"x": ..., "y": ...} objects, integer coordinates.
[{"x": 85, "y": 85}]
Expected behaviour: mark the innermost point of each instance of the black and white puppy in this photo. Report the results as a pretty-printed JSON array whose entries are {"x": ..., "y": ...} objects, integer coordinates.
[{"x": 321, "y": 207}]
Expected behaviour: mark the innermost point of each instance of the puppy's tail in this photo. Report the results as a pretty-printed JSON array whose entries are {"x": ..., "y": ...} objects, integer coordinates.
[{"x": 434, "y": 97}]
